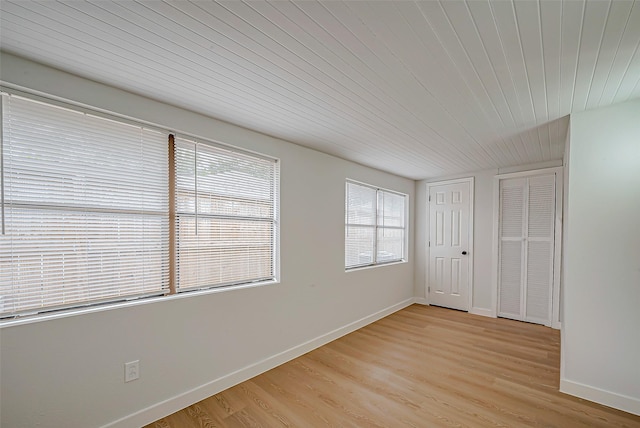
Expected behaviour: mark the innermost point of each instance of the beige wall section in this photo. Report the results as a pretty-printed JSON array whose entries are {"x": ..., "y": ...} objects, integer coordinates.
[
  {"x": 482, "y": 229},
  {"x": 601, "y": 314},
  {"x": 70, "y": 371}
]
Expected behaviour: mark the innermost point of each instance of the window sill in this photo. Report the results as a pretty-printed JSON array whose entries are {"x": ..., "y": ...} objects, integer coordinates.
[
  {"x": 36, "y": 318},
  {"x": 353, "y": 269}
]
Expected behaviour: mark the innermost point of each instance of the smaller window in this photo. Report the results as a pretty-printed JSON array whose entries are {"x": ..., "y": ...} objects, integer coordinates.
[{"x": 375, "y": 226}]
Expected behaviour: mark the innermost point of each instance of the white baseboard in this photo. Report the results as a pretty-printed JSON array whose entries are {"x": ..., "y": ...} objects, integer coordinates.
[
  {"x": 607, "y": 398},
  {"x": 421, "y": 301},
  {"x": 482, "y": 311},
  {"x": 167, "y": 407}
]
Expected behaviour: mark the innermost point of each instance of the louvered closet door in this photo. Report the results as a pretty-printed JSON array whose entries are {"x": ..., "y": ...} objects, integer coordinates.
[
  {"x": 527, "y": 213},
  {"x": 512, "y": 238},
  {"x": 540, "y": 245}
]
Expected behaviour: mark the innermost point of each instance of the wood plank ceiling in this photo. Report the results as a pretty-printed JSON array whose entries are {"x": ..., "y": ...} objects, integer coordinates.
[{"x": 420, "y": 89}]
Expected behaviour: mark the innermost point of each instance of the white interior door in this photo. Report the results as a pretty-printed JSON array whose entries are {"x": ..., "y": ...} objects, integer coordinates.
[
  {"x": 526, "y": 248},
  {"x": 449, "y": 238}
]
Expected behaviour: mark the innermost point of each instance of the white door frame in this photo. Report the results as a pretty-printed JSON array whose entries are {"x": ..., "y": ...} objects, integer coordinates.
[
  {"x": 555, "y": 304},
  {"x": 471, "y": 182}
]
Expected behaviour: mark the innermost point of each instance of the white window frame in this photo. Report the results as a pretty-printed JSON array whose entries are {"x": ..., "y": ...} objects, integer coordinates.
[{"x": 376, "y": 227}]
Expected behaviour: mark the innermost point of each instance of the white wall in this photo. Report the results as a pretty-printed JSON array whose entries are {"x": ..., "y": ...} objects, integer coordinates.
[
  {"x": 482, "y": 229},
  {"x": 601, "y": 314},
  {"x": 68, "y": 371}
]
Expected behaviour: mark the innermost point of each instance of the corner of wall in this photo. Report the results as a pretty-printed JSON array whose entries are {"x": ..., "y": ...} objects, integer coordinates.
[{"x": 607, "y": 398}]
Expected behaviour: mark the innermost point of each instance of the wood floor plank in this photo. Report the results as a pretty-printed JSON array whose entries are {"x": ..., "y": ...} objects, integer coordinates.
[{"x": 419, "y": 367}]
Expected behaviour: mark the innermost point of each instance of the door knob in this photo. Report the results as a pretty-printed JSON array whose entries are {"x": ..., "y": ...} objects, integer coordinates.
[{"x": 464, "y": 253}]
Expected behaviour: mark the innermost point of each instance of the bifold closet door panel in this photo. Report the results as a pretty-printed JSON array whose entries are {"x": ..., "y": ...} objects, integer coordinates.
[
  {"x": 511, "y": 279},
  {"x": 540, "y": 247},
  {"x": 512, "y": 229}
]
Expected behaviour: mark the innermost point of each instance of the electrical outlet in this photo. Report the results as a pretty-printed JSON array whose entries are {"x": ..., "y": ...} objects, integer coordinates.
[{"x": 131, "y": 370}]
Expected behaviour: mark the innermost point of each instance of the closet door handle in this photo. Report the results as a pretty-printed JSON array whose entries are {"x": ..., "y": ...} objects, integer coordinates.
[{"x": 464, "y": 253}]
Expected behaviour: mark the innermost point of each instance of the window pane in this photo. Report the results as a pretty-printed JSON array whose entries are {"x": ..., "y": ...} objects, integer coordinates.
[
  {"x": 391, "y": 209},
  {"x": 74, "y": 257},
  {"x": 185, "y": 167},
  {"x": 225, "y": 251},
  {"x": 233, "y": 184},
  {"x": 86, "y": 209},
  {"x": 235, "y": 214},
  {"x": 361, "y": 204},
  {"x": 359, "y": 248},
  {"x": 390, "y": 245}
]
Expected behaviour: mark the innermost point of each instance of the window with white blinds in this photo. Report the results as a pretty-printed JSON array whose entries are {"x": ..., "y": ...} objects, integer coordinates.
[
  {"x": 84, "y": 209},
  {"x": 96, "y": 210},
  {"x": 375, "y": 226},
  {"x": 226, "y": 216}
]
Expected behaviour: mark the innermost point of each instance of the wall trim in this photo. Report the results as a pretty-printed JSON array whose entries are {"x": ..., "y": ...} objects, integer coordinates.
[
  {"x": 601, "y": 396},
  {"x": 187, "y": 398},
  {"x": 483, "y": 312},
  {"x": 421, "y": 301}
]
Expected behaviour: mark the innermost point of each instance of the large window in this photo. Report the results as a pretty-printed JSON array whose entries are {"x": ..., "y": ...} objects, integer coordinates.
[
  {"x": 96, "y": 210},
  {"x": 375, "y": 230}
]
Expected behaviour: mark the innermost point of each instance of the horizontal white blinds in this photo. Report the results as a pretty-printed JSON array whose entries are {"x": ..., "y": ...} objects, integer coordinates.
[
  {"x": 391, "y": 227},
  {"x": 85, "y": 209},
  {"x": 226, "y": 216},
  {"x": 360, "y": 229},
  {"x": 374, "y": 225}
]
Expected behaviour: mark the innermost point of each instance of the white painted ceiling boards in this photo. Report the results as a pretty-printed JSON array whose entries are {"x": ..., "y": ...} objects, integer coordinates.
[{"x": 422, "y": 89}]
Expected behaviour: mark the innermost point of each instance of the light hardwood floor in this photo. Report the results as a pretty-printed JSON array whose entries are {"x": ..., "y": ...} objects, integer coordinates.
[{"x": 419, "y": 367}]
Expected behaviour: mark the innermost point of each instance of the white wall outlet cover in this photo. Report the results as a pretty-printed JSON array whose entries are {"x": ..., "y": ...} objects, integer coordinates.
[{"x": 131, "y": 370}]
